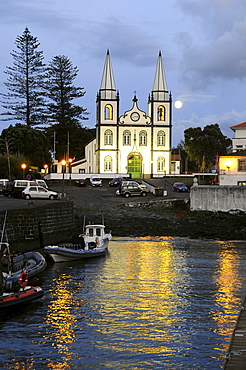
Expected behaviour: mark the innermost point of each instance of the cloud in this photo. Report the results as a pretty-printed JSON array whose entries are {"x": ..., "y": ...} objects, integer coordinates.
[
  {"x": 195, "y": 98},
  {"x": 224, "y": 120},
  {"x": 218, "y": 55},
  {"x": 128, "y": 43}
]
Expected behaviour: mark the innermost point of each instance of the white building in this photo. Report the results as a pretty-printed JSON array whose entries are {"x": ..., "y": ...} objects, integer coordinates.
[
  {"x": 239, "y": 142},
  {"x": 233, "y": 165},
  {"x": 136, "y": 143}
]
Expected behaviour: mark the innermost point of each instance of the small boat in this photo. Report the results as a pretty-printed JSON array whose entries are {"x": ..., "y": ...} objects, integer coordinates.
[
  {"x": 17, "y": 293},
  {"x": 92, "y": 243},
  {"x": 13, "y": 264},
  {"x": 33, "y": 263}
]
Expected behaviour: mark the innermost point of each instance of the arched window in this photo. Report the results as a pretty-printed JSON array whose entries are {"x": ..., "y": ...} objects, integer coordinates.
[
  {"x": 160, "y": 164},
  {"x": 108, "y": 137},
  {"x": 161, "y": 113},
  {"x": 108, "y": 163},
  {"x": 143, "y": 138},
  {"x": 108, "y": 112},
  {"x": 161, "y": 138},
  {"x": 126, "y": 138}
]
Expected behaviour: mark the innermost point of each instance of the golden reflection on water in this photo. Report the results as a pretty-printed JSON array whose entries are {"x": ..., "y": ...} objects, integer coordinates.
[
  {"x": 61, "y": 321},
  {"x": 142, "y": 297},
  {"x": 229, "y": 282}
]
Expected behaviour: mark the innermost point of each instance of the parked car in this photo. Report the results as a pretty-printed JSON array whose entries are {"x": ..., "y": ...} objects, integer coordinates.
[
  {"x": 41, "y": 183},
  {"x": 142, "y": 186},
  {"x": 81, "y": 182},
  {"x": 180, "y": 186},
  {"x": 215, "y": 182},
  {"x": 3, "y": 182},
  {"x": 95, "y": 181},
  {"x": 131, "y": 188},
  {"x": 38, "y": 192},
  {"x": 15, "y": 188},
  {"x": 116, "y": 181}
]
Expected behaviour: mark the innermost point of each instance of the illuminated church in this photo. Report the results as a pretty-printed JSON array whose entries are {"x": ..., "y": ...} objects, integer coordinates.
[{"x": 134, "y": 143}]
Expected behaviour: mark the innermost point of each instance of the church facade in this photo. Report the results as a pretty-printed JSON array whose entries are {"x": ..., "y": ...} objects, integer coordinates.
[{"x": 135, "y": 143}]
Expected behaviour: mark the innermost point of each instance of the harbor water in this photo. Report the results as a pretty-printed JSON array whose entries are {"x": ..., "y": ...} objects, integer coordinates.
[{"x": 151, "y": 303}]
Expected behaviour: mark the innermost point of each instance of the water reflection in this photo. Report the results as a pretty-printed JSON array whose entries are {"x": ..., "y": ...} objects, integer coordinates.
[
  {"x": 61, "y": 320},
  {"x": 142, "y": 301},
  {"x": 149, "y": 304},
  {"x": 229, "y": 282}
]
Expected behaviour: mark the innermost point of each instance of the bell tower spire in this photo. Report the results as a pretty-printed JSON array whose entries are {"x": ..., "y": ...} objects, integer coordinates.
[
  {"x": 107, "y": 89},
  {"x": 107, "y": 104},
  {"x": 160, "y": 91}
]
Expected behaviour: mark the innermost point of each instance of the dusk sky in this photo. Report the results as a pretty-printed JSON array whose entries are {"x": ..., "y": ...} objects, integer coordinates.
[{"x": 203, "y": 45}]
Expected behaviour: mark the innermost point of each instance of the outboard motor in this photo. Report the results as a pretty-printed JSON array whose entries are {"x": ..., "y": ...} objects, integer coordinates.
[{"x": 12, "y": 284}]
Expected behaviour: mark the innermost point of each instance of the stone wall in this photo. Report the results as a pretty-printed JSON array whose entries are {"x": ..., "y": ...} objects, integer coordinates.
[
  {"x": 33, "y": 227},
  {"x": 218, "y": 198}
]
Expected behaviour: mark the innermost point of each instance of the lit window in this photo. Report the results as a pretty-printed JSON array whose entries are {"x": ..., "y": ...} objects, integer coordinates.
[
  {"x": 161, "y": 138},
  {"x": 108, "y": 163},
  {"x": 242, "y": 165},
  {"x": 126, "y": 138},
  {"x": 160, "y": 164},
  {"x": 143, "y": 138},
  {"x": 161, "y": 113},
  {"x": 108, "y": 113},
  {"x": 108, "y": 137}
]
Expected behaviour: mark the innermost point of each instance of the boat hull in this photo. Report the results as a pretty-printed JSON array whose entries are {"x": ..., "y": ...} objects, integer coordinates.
[
  {"x": 32, "y": 262},
  {"x": 9, "y": 301},
  {"x": 61, "y": 254}
]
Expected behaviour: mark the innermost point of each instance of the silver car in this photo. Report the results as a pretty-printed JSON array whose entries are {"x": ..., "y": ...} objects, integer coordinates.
[{"x": 38, "y": 192}]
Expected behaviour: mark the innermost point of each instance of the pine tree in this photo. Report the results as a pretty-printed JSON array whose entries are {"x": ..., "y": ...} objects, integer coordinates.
[
  {"x": 60, "y": 90},
  {"x": 64, "y": 116},
  {"x": 25, "y": 99}
]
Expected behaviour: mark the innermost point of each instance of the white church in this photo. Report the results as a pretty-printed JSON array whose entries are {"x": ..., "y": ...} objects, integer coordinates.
[{"x": 136, "y": 143}]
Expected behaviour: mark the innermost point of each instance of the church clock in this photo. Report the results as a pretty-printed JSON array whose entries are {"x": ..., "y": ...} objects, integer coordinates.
[{"x": 135, "y": 116}]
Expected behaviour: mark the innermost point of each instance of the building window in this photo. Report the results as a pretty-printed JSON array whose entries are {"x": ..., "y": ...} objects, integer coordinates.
[
  {"x": 161, "y": 113},
  {"x": 108, "y": 163},
  {"x": 126, "y": 138},
  {"x": 160, "y": 164},
  {"x": 241, "y": 165},
  {"x": 143, "y": 138},
  {"x": 161, "y": 138},
  {"x": 108, "y": 112},
  {"x": 108, "y": 137}
]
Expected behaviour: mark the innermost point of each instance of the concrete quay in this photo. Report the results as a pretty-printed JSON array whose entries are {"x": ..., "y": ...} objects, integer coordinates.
[{"x": 236, "y": 356}]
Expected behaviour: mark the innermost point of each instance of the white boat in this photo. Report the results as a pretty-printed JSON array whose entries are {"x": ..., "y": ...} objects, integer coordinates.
[{"x": 92, "y": 243}]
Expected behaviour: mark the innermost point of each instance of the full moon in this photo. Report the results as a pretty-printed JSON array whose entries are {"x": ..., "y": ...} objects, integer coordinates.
[{"x": 178, "y": 104}]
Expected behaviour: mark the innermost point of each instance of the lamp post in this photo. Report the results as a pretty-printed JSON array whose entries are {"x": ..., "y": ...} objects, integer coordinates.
[
  {"x": 70, "y": 170},
  {"x": 63, "y": 163},
  {"x": 45, "y": 169},
  {"x": 23, "y": 166}
]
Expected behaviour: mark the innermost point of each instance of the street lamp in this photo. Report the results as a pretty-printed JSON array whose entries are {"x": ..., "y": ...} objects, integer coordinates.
[
  {"x": 70, "y": 169},
  {"x": 23, "y": 166},
  {"x": 63, "y": 163}
]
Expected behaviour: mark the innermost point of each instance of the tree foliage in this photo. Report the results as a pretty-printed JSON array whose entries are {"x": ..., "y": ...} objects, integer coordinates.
[
  {"x": 28, "y": 142},
  {"x": 14, "y": 171},
  {"x": 64, "y": 116},
  {"x": 69, "y": 141},
  {"x": 25, "y": 99},
  {"x": 202, "y": 146},
  {"x": 61, "y": 92}
]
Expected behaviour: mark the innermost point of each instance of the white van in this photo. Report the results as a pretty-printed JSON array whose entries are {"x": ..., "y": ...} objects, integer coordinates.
[
  {"x": 95, "y": 181},
  {"x": 41, "y": 183},
  {"x": 2, "y": 183}
]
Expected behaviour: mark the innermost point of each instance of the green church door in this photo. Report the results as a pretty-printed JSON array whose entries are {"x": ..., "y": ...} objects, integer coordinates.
[{"x": 135, "y": 165}]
